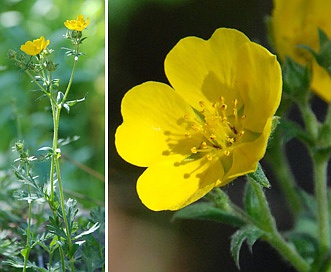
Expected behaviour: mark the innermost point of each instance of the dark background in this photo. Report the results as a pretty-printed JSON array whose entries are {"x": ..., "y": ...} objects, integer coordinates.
[{"x": 141, "y": 33}]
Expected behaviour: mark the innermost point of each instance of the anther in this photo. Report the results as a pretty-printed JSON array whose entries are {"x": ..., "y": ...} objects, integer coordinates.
[
  {"x": 224, "y": 107},
  {"x": 194, "y": 150},
  {"x": 230, "y": 140},
  {"x": 195, "y": 127},
  {"x": 188, "y": 135},
  {"x": 209, "y": 157},
  {"x": 226, "y": 152},
  {"x": 203, "y": 145}
]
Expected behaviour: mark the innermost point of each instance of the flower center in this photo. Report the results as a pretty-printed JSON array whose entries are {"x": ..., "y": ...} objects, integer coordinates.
[{"x": 219, "y": 125}]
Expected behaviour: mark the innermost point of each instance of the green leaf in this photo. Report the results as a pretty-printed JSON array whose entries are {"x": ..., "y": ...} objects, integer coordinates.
[
  {"x": 305, "y": 244},
  {"x": 249, "y": 233},
  {"x": 292, "y": 130},
  {"x": 89, "y": 231},
  {"x": 206, "y": 211},
  {"x": 260, "y": 177},
  {"x": 71, "y": 103},
  {"x": 59, "y": 97},
  {"x": 24, "y": 252}
]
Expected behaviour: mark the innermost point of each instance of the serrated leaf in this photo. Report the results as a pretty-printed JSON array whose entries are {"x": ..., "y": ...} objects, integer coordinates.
[
  {"x": 205, "y": 211},
  {"x": 249, "y": 233}
]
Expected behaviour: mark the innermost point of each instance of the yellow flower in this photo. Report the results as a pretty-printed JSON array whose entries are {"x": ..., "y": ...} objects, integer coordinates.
[
  {"x": 35, "y": 47},
  {"x": 296, "y": 22},
  {"x": 210, "y": 127},
  {"x": 79, "y": 24}
]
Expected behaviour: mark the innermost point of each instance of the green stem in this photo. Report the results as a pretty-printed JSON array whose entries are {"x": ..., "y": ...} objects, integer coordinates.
[
  {"x": 311, "y": 123},
  {"x": 272, "y": 236},
  {"x": 56, "y": 164},
  {"x": 287, "y": 252},
  {"x": 279, "y": 163},
  {"x": 56, "y": 109},
  {"x": 71, "y": 78},
  {"x": 28, "y": 231},
  {"x": 320, "y": 163},
  {"x": 62, "y": 259}
]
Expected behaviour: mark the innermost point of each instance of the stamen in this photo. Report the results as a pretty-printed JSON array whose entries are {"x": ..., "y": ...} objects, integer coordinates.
[
  {"x": 212, "y": 136},
  {"x": 204, "y": 145},
  {"x": 195, "y": 127},
  {"x": 230, "y": 141},
  {"x": 220, "y": 129},
  {"x": 209, "y": 157},
  {"x": 234, "y": 110}
]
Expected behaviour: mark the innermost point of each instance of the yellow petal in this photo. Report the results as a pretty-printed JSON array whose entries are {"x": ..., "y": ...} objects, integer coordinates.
[
  {"x": 247, "y": 155},
  {"x": 172, "y": 185},
  {"x": 153, "y": 124},
  {"x": 200, "y": 69},
  {"x": 259, "y": 80},
  {"x": 288, "y": 29},
  {"x": 321, "y": 82}
]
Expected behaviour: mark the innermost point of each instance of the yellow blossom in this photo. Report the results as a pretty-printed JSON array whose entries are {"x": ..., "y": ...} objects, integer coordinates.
[
  {"x": 295, "y": 23},
  {"x": 79, "y": 24},
  {"x": 210, "y": 127},
  {"x": 35, "y": 47}
]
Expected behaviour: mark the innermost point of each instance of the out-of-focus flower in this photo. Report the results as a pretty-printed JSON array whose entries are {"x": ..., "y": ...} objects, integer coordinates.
[
  {"x": 296, "y": 23},
  {"x": 210, "y": 127},
  {"x": 35, "y": 47},
  {"x": 79, "y": 24}
]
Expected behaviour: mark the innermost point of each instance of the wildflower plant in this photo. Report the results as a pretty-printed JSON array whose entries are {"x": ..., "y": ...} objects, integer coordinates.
[
  {"x": 226, "y": 108},
  {"x": 57, "y": 238}
]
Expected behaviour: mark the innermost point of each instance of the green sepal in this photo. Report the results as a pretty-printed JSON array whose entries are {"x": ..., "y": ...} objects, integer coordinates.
[
  {"x": 323, "y": 56},
  {"x": 206, "y": 211},
  {"x": 251, "y": 202},
  {"x": 296, "y": 78},
  {"x": 260, "y": 177},
  {"x": 249, "y": 233}
]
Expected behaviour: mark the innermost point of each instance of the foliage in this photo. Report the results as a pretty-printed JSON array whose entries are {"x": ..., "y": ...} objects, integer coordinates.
[{"x": 41, "y": 229}]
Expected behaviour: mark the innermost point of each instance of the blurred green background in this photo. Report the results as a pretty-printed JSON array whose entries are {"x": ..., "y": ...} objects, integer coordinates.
[
  {"x": 141, "y": 33},
  {"x": 23, "y": 108}
]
